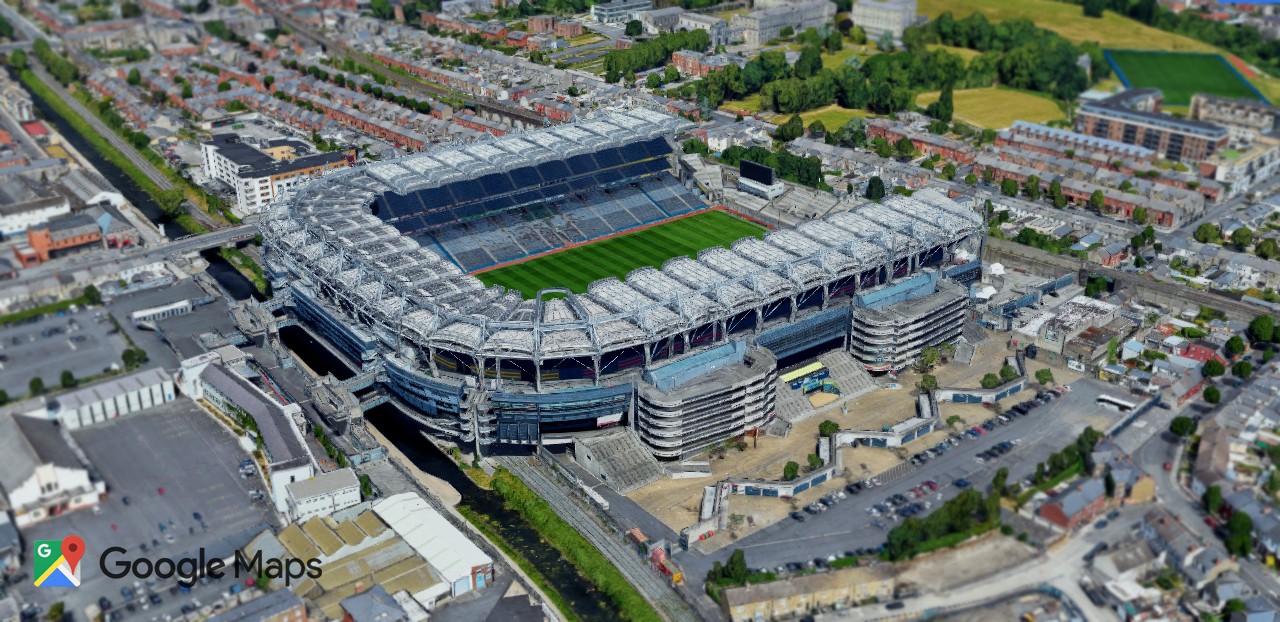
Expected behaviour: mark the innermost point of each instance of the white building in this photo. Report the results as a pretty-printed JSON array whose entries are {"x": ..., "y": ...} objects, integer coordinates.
[
  {"x": 270, "y": 169},
  {"x": 449, "y": 552},
  {"x": 753, "y": 187},
  {"x": 40, "y": 474},
  {"x": 90, "y": 188},
  {"x": 212, "y": 376},
  {"x": 151, "y": 315},
  {"x": 618, "y": 11},
  {"x": 760, "y": 27},
  {"x": 877, "y": 17},
  {"x": 113, "y": 398},
  {"x": 24, "y": 203},
  {"x": 323, "y": 494},
  {"x": 716, "y": 27}
]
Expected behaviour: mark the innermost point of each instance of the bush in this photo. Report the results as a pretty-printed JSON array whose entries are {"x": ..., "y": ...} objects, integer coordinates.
[
  {"x": 1008, "y": 373},
  {"x": 1182, "y": 426},
  {"x": 1212, "y": 395},
  {"x": 990, "y": 381},
  {"x": 791, "y": 470},
  {"x": 1242, "y": 369},
  {"x": 1044, "y": 377},
  {"x": 1213, "y": 368},
  {"x": 828, "y": 428}
]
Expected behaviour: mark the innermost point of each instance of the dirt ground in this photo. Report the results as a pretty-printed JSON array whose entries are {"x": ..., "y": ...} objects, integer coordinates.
[
  {"x": 676, "y": 502},
  {"x": 952, "y": 569}
]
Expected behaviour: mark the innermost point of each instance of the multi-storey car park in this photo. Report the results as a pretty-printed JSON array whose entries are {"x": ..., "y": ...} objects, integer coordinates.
[{"x": 687, "y": 354}]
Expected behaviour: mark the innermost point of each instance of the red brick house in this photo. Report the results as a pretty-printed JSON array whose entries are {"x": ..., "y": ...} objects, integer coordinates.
[{"x": 1079, "y": 505}]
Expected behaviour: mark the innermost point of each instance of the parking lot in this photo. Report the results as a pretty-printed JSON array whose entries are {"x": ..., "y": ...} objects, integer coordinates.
[
  {"x": 84, "y": 343},
  {"x": 855, "y": 523},
  {"x": 173, "y": 488}
]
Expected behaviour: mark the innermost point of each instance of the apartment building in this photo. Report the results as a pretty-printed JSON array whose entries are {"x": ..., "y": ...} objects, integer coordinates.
[
  {"x": 1133, "y": 117},
  {"x": 760, "y": 27},
  {"x": 261, "y": 171}
]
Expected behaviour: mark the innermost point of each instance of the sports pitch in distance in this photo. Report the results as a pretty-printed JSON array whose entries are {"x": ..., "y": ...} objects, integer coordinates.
[
  {"x": 577, "y": 267},
  {"x": 1179, "y": 76}
]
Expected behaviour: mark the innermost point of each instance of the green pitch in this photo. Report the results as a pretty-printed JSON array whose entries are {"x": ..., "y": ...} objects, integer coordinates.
[
  {"x": 577, "y": 267},
  {"x": 1179, "y": 76}
]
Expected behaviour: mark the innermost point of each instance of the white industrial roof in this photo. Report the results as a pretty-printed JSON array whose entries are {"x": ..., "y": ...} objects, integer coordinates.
[{"x": 446, "y": 549}]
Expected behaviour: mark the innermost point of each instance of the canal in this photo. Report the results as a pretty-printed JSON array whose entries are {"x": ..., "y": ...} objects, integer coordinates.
[
  {"x": 112, "y": 173},
  {"x": 408, "y": 437},
  {"x": 229, "y": 278}
]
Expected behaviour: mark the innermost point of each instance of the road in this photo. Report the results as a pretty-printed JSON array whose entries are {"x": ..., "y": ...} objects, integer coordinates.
[
  {"x": 1216, "y": 212},
  {"x": 197, "y": 243}
]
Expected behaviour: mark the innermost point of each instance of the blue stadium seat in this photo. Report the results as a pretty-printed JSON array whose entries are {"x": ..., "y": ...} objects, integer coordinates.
[
  {"x": 657, "y": 147},
  {"x": 608, "y": 157},
  {"x": 524, "y": 198},
  {"x": 379, "y": 208},
  {"x": 435, "y": 197},
  {"x": 633, "y": 152},
  {"x": 408, "y": 224},
  {"x": 609, "y": 176},
  {"x": 497, "y": 203},
  {"x": 556, "y": 190},
  {"x": 581, "y": 164},
  {"x": 525, "y": 177},
  {"x": 579, "y": 184},
  {"x": 467, "y": 211},
  {"x": 553, "y": 170},
  {"x": 401, "y": 205},
  {"x": 496, "y": 183},
  {"x": 466, "y": 190},
  {"x": 438, "y": 217}
]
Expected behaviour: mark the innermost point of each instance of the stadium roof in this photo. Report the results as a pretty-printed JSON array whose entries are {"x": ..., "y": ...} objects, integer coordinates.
[{"x": 326, "y": 232}]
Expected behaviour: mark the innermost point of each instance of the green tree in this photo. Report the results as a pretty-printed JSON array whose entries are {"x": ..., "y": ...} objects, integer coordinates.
[
  {"x": 694, "y": 145},
  {"x": 1044, "y": 376},
  {"x": 1263, "y": 328},
  {"x": 1212, "y": 395},
  {"x": 92, "y": 295},
  {"x": 827, "y": 428},
  {"x": 791, "y": 130},
  {"x": 1213, "y": 368},
  {"x": 1267, "y": 248},
  {"x": 1031, "y": 187},
  {"x": 875, "y": 188},
  {"x": 790, "y": 470},
  {"x": 815, "y": 462},
  {"x": 928, "y": 382},
  {"x": 1234, "y": 605},
  {"x": 885, "y": 44},
  {"x": 35, "y": 386},
  {"x": 1212, "y": 500},
  {"x": 949, "y": 171},
  {"x": 653, "y": 81},
  {"x": 990, "y": 381},
  {"x": 1097, "y": 200},
  {"x": 953, "y": 420},
  {"x": 1094, "y": 8},
  {"x": 68, "y": 379},
  {"x": 4, "y": 397},
  {"x": 1235, "y": 346},
  {"x": 1009, "y": 187},
  {"x": 809, "y": 64},
  {"x": 1140, "y": 215},
  {"x": 904, "y": 148},
  {"x": 944, "y": 108},
  {"x": 1240, "y": 534},
  {"x": 56, "y": 612},
  {"x": 1242, "y": 369},
  {"x": 187, "y": 93},
  {"x": 135, "y": 77},
  {"x": 1008, "y": 372},
  {"x": 971, "y": 179},
  {"x": 129, "y": 10},
  {"x": 817, "y": 129},
  {"x": 1242, "y": 238},
  {"x": 1182, "y": 427},
  {"x": 634, "y": 28},
  {"x": 1206, "y": 233},
  {"x": 18, "y": 60},
  {"x": 929, "y": 357}
]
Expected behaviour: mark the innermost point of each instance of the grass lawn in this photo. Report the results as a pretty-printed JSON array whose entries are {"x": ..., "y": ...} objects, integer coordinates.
[
  {"x": 837, "y": 60},
  {"x": 1179, "y": 76},
  {"x": 585, "y": 39},
  {"x": 996, "y": 108},
  {"x": 750, "y": 103},
  {"x": 728, "y": 15},
  {"x": 1068, "y": 20},
  {"x": 578, "y": 267},
  {"x": 832, "y": 117}
]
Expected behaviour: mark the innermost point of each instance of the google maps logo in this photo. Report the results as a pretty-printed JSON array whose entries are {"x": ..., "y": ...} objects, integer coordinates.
[{"x": 57, "y": 562}]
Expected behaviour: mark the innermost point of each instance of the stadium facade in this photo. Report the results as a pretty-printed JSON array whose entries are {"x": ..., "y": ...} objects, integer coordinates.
[{"x": 376, "y": 259}]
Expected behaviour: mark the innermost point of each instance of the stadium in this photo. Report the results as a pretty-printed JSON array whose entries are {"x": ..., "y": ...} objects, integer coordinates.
[{"x": 381, "y": 261}]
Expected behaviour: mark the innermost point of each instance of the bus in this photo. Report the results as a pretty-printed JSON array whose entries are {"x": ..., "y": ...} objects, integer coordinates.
[{"x": 1116, "y": 404}]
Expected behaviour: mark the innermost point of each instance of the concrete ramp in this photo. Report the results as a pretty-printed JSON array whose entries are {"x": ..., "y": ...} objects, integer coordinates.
[{"x": 618, "y": 458}]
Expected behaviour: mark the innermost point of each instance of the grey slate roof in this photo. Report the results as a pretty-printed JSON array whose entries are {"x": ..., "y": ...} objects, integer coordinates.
[
  {"x": 27, "y": 443},
  {"x": 283, "y": 447},
  {"x": 374, "y": 605}
]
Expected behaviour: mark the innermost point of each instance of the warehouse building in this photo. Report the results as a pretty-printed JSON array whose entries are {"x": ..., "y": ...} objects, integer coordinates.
[{"x": 114, "y": 398}]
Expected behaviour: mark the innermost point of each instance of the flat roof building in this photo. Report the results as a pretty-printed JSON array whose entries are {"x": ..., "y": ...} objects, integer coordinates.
[
  {"x": 878, "y": 17},
  {"x": 262, "y": 170},
  {"x": 1133, "y": 117},
  {"x": 616, "y": 11},
  {"x": 323, "y": 494},
  {"x": 760, "y": 27}
]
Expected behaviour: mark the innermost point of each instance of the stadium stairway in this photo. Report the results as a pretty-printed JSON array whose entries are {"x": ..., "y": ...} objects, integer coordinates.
[{"x": 847, "y": 372}]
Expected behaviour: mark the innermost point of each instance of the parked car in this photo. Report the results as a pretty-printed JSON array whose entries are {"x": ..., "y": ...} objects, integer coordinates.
[{"x": 961, "y": 483}]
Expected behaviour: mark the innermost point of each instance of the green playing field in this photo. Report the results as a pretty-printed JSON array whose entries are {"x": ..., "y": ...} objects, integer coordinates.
[
  {"x": 577, "y": 267},
  {"x": 1179, "y": 76}
]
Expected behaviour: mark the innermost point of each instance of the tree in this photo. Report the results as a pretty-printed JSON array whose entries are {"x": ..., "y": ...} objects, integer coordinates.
[
  {"x": 1109, "y": 483},
  {"x": 885, "y": 44},
  {"x": 904, "y": 148},
  {"x": 1182, "y": 427},
  {"x": 129, "y": 10},
  {"x": 1212, "y": 395},
  {"x": 1031, "y": 187},
  {"x": 944, "y": 108},
  {"x": 1097, "y": 200},
  {"x": 1009, "y": 187},
  {"x": 971, "y": 179},
  {"x": 814, "y": 461},
  {"x": 929, "y": 358},
  {"x": 694, "y": 145},
  {"x": 1140, "y": 215},
  {"x": 186, "y": 91},
  {"x": 1242, "y": 369},
  {"x": 828, "y": 428},
  {"x": 1007, "y": 373},
  {"x": 791, "y": 130},
  {"x": 1267, "y": 248},
  {"x": 634, "y": 28},
  {"x": 1213, "y": 368},
  {"x": 1240, "y": 534},
  {"x": 791, "y": 470},
  {"x": 875, "y": 188},
  {"x": 18, "y": 60},
  {"x": 653, "y": 81},
  {"x": 809, "y": 64},
  {"x": 1206, "y": 233},
  {"x": 1233, "y": 605},
  {"x": 1094, "y": 8},
  {"x": 1263, "y": 328},
  {"x": 1044, "y": 376},
  {"x": 56, "y": 612},
  {"x": 135, "y": 77},
  {"x": 36, "y": 386},
  {"x": 1212, "y": 500},
  {"x": 990, "y": 381},
  {"x": 1235, "y": 346},
  {"x": 817, "y": 129},
  {"x": 92, "y": 295},
  {"x": 1242, "y": 238},
  {"x": 953, "y": 420},
  {"x": 4, "y": 397},
  {"x": 928, "y": 382}
]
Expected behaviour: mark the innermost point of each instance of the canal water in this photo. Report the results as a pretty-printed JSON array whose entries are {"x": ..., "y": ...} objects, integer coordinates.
[
  {"x": 127, "y": 187},
  {"x": 229, "y": 278},
  {"x": 406, "y": 434}
]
